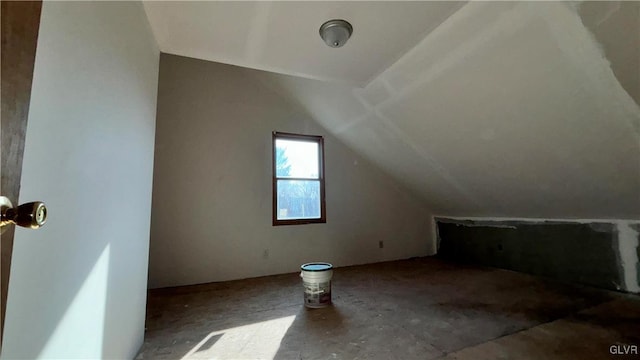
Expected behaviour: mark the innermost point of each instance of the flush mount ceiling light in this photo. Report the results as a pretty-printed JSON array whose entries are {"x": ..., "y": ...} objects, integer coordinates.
[{"x": 336, "y": 32}]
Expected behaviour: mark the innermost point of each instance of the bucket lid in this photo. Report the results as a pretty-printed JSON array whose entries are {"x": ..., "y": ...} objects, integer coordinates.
[{"x": 316, "y": 266}]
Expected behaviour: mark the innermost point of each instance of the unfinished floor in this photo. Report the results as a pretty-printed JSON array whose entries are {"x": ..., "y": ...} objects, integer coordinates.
[{"x": 412, "y": 309}]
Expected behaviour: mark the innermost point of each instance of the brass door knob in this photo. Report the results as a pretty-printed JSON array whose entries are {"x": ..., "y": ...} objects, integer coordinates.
[{"x": 29, "y": 215}]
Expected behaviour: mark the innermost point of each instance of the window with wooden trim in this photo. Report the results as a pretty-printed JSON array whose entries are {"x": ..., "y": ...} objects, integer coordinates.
[{"x": 298, "y": 179}]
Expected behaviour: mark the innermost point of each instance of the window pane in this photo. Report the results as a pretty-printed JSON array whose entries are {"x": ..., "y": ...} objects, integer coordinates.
[
  {"x": 297, "y": 159},
  {"x": 298, "y": 199}
]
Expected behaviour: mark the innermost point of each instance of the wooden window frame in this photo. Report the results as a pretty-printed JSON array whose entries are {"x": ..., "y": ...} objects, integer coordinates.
[{"x": 323, "y": 210}]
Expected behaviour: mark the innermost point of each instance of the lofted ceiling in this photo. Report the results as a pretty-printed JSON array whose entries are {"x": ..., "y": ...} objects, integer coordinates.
[
  {"x": 283, "y": 36},
  {"x": 501, "y": 109}
]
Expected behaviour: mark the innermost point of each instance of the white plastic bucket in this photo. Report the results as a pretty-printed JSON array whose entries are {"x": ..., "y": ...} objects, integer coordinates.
[{"x": 316, "y": 279}]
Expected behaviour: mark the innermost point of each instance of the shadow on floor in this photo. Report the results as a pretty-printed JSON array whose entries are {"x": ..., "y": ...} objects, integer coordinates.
[{"x": 413, "y": 309}]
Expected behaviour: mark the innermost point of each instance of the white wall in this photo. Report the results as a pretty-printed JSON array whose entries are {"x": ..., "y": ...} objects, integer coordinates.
[
  {"x": 78, "y": 285},
  {"x": 212, "y": 198}
]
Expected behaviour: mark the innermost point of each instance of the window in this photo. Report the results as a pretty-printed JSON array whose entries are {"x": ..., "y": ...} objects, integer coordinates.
[{"x": 298, "y": 179}]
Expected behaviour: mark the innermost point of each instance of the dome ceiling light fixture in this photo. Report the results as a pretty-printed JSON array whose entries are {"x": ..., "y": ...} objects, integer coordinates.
[{"x": 335, "y": 33}]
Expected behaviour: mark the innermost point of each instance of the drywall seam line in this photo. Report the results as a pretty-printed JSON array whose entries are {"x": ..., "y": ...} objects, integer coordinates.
[
  {"x": 342, "y": 128},
  {"x": 471, "y": 224},
  {"x": 568, "y": 30},
  {"x": 508, "y": 22},
  {"x": 610, "y": 11},
  {"x": 435, "y": 243},
  {"x": 435, "y": 165},
  {"x": 524, "y": 219},
  {"x": 627, "y": 245},
  {"x": 257, "y": 37},
  {"x": 425, "y": 35},
  {"x": 391, "y": 90}
]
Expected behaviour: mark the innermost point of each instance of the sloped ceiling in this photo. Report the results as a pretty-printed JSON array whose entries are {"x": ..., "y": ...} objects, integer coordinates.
[
  {"x": 520, "y": 109},
  {"x": 282, "y": 36}
]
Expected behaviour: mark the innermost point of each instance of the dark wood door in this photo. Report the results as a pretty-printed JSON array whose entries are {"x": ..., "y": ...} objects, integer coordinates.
[{"x": 19, "y": 33}]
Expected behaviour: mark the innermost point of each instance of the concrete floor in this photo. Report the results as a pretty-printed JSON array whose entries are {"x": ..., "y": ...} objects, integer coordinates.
[{"x": 412, "y": 309}]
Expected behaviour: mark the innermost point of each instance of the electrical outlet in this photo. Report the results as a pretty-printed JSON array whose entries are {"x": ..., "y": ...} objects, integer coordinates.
[{"x": 381, "y": 244}]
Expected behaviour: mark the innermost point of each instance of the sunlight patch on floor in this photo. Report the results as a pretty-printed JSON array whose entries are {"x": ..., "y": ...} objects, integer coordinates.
[{"x": 256, "y": 341}]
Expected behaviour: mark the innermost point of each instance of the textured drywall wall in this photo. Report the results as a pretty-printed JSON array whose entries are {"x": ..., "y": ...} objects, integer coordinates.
[
  {"x": 628, "y": 245},
  {"x": 282, "y": 36},
  {"x": 508, "y": 109},
  {"x": 593, "y": 252},
  {"x": 212, "y": 198},
  {"x": 78, "y": 285},
  {"x": 616, "y": 27}
]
